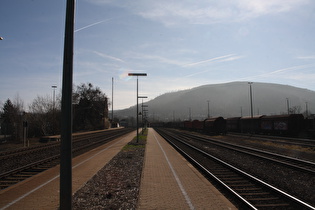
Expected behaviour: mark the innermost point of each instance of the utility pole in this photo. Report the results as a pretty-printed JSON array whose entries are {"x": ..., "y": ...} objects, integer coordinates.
[
  {"x": 288, "y": 106},
  {"x": 208, "y": 109},
  {"x": 66, "y": 110},
  {"x": 251, "y": 99},
  {"x": 137, "y": 75},
  {"x": 112, "y": 99}
]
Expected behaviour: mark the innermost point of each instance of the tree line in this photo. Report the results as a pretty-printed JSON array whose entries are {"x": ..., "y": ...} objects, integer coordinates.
[{"x": 90, "y": 112}]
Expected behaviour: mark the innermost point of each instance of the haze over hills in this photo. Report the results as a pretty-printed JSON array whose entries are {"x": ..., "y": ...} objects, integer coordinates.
[{"x": 227, "y": 100}]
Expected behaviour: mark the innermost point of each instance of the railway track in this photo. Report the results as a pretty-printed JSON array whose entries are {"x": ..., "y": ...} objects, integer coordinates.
[
  {"x": 44, "y": 157},
  {"x": 251, "y": 191},
  {"x": 295, "y": 163},
  {"x": 277, "y": 139}
]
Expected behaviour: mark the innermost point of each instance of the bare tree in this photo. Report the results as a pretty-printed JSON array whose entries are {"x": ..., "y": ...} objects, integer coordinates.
[{"x": 43, "y": 117}]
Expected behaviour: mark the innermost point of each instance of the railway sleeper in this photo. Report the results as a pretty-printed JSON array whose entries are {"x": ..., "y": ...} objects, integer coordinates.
[
  {"x": 272, "y": 205},
  {"x": 233, "y": 178},
  {"x": 42, "y": 168},
  {"x": 7, "y": 181},
  {"x": 235, "y": 182},
  {"x": 254, "y": 193},
  {"x": 263, "y": 199},
  {"x": 27, "y": 173},
  {"x": 247, "y": 189},
  {"x": 242, "y": 185},
  {"x": 23, "y": 175},
  {"x": 225, "y": 174},
  {"x": 34, "y": 170},
  {"x": 15, "y": 178}
]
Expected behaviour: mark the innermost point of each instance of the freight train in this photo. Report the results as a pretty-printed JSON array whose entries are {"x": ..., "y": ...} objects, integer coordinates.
[
  {"x": 215, "y": 125},
  {"x": 282, "y": 125},
  {"x": 293, "y": 125}
]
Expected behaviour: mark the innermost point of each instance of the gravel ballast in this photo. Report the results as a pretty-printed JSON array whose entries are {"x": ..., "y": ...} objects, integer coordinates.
[{"x": 116, "y": 186}]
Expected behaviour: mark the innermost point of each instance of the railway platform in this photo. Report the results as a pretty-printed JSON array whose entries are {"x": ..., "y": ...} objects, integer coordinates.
[
  {"x": 42, "y": 190},
  {"x": 169, "y": 181}
]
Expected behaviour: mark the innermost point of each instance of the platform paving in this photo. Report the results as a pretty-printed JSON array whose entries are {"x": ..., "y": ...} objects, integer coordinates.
[
  {"x": 169, "y": 181},
  {"x": 42, "y": 191}
]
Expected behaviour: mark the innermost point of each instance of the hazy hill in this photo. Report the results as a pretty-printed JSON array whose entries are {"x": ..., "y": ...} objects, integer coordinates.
[{"x": 227, "y": 100}]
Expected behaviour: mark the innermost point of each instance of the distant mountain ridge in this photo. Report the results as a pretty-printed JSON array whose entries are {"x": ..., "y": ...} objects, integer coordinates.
[{"x": 227, "y": 100}]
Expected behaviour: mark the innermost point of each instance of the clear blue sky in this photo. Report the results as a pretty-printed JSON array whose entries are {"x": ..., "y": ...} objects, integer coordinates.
[{"x": 180, "y": 44}]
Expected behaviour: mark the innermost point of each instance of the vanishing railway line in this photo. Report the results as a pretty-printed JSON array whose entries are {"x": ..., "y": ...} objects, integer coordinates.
[
  {"x": 242, "y": 184},
  {"x": 298, "y": 164},
  {"x": 276, "y": 139},
  {"x": 24, "y": 163}
]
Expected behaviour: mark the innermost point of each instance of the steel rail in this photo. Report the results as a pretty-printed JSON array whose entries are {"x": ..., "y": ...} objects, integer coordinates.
[
  {"x": 286, "y": 160},
  {"x": 100, "y": 140},
  {"x": 278, "y": 139},
  {"x": 250, "y": 205}
]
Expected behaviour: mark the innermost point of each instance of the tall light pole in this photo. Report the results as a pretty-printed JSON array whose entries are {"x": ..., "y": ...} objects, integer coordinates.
[
  {"x": 54, "y": 98},
  {"x": 66, "y": 111},
  {"x": 251, "y": 99},
  {"x": 112, "y": 99},
  {"x": 137, "y": 75},
  {"x": 142, "y": 110},
  {"x": 54, "y": 110},
  {"x": 208, "y": 109},
  {"x": 288, "y": 106}
]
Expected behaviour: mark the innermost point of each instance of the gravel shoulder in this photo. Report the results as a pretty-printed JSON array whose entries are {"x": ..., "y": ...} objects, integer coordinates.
[{"x": 117, "y": 185}]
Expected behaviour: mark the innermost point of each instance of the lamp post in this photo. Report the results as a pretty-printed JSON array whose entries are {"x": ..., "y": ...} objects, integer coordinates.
[
  {"x": 143, "y": 110},
  {"x": 137, "y": 75},
  {"x": 66, "y": 111},
  {"x": 145, "y": 115},
  {"x": 251, "y": 99},
  {"x": 112, "y": 99},
  {"x": 288, "y": 106},
  {"x": 208, "y": 109},
  {"x": 54, "y": 110},
  {"x": 54, "y": 89}
]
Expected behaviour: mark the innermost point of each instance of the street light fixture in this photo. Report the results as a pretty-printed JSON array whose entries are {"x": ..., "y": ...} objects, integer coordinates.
[{"x": 137, "y": 75}]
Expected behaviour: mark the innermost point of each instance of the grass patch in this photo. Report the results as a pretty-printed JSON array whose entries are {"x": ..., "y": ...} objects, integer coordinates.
[{"x": 133, "y": 144}]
